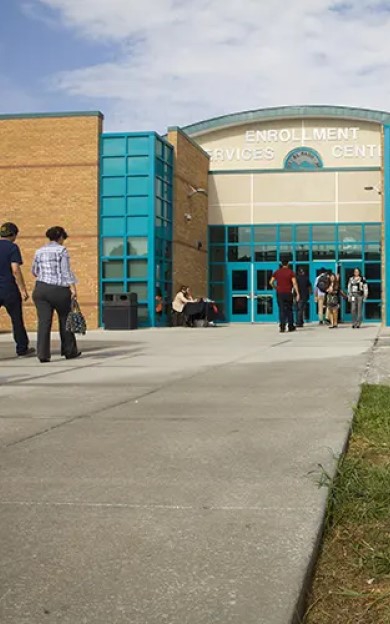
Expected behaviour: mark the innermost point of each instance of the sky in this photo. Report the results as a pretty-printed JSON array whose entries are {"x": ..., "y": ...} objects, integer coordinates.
[{"x": 150, "y": 64}]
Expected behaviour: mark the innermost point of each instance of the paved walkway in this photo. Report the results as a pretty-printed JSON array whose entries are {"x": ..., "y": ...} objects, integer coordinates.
[{"x": 164, "y": 478}]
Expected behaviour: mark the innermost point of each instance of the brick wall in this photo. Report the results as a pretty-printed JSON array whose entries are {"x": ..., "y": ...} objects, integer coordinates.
[
  {"x": 49, "y": 170},
  {"x": 191, "y": 170}
]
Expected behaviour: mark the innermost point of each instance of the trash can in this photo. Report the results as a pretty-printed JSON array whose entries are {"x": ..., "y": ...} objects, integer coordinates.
[{"x": 120, "y": 311}]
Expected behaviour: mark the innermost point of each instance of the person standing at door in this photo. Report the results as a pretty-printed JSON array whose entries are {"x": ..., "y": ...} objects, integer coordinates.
[
  {"x": 305, "y": 290},
  {"x": 12, "y": 286},
  {"x": 54, "y": 289},
  {"x": 357, "y": 294},
  {"x": 320, "y": 287},
  {"x": 284, "y": 281}
]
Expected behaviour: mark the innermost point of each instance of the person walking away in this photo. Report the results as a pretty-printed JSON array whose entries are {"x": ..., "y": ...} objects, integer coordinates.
[
  {"x": 12, "y": 286},
  {"x": 320, "y": 287},
  {"x": 284, "y": 281},
  {"x": 333, "y": 300},
  {"x": 180, "y": 301},
  {"x": 357, "y": 294},
  {"x": 54, "y": 289},
  {"x": 305, "y": 290}
]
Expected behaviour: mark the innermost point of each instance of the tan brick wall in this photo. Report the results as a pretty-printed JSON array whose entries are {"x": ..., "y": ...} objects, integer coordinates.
[
  {"x": 191, "y": 170},
  {"x": 49, "y": 175}
]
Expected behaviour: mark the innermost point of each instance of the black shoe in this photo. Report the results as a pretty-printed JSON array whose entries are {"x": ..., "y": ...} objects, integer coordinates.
[
  {"x": 73, "y": 357},
  {"x": 291, "y": 329},
  {"x": 320, "y": 322},
  {"x": 30, "y": 351},
  {"x": 44, "y": 361},
  {"x": 300, "y": 326},
  {"x": 282, "y": 330}
]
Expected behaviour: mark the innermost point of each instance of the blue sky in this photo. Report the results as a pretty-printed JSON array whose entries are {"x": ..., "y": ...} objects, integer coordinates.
[{"x": 150, "y": 64}]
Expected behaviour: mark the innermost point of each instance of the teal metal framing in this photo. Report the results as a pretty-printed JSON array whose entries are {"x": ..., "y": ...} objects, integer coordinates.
[
  {"x": 386, "y": 222},
  {"x": 302, "y": 246},
  {"x": 128, "y": 195}
]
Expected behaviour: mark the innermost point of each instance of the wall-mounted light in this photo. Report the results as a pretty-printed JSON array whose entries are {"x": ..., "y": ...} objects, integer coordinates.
[
  {"x": 187, "y": 217},
  {"x": 199, "y": 245},
  {"x": 193, "y": 191},
  {"x": 373, "y": 188}
]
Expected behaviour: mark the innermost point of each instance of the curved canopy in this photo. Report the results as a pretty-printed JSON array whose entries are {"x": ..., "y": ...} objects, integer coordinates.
[{"x": 287, "y": 112}]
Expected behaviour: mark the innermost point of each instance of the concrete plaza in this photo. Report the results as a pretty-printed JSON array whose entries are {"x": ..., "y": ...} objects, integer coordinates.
[{"x": 170, "y": 476}]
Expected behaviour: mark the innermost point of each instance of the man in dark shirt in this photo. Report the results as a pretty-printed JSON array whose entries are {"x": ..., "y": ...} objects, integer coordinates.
[
  {"x": 12, "y": 286},
  {"x": 284, "y": 281},
  {"x": 305, "y": 290}
]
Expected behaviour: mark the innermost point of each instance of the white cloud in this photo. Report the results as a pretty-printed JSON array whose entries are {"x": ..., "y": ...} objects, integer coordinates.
[{"x": 180, "y": 61}]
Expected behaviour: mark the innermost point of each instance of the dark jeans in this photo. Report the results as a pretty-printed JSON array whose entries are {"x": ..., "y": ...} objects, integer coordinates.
[
  {"x": 177, "y": 319},
  {"x": 285, "y": 303},
  {"x": 12, "y": 301},
  {"x": 301, "y": 306},
  {"x": 47, "y": 299}
]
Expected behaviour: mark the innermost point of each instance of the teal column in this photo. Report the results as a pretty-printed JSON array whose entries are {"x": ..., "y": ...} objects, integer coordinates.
[{"x": 386, "y": 224}]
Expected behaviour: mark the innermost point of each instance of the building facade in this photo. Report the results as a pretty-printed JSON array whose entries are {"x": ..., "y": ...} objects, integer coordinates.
[{"x": 214, "y": 205}]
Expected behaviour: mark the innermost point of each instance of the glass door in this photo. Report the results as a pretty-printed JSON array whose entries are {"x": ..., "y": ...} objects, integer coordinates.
[
  {"x": 240, "y": 292},
  {"x": 346, "y": 271},
  {"x": 316, "y": 268},
  {"x": 264, "y": 297}
]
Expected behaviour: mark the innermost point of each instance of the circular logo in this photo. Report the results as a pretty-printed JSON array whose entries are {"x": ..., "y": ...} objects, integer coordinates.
[{"x": 303, "y": 158}]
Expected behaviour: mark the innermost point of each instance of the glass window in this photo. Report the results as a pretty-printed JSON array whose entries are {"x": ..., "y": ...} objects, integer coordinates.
[
  {"x": 372, "y": 233},
  {"x": 240, "y": 280},
  {"x": 240, "y": 305},
  {"x": 239, "y": 253},
  {"x": 285, "y": 234},
  {"x": 373, "y": 311},
  {"x": 112, "y": 269},
  {"x": 265, "y": 234},
  {"x": 350, "y": 250},
  {"x": 323, "y": 233},
  {"x": 265, "y": 304},
  {"x": 217, "y": 254},
  {"x": 143, "y": 314},
  {"x": 141, "y": 289},
  {"x": 137, "y": 269},
  {"x": 350, "y": 233},
  {"x": 113, "y": 288},
  {"x": 137, "y": 246},
  {"x": 374, "y": 290},
  {"x": 324, "y": 252},
  {"x": 239, "y": 234},
  {"x": 263, "y": 277},
  {"x": 217, "y": 292},
  {"x": 286, "y": 252},
  {"x": 113, "y": 247},
  {"x": 372, "y": 252},
  {"x": 373, "y": 271},
  {"x": 265, "y": 253},
  {"x": 217, "y": 234},
  {"x": 302, "y": 233},
  {"x": 302, "y": 253},
  {"x": 217, "y": 273},
  {"x": 168, "y": 250}
]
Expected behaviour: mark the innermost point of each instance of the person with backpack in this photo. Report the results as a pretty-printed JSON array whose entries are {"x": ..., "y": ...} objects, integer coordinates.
[
  {"x": 321, "y": 286},
  {"x": 357, "y": 294}
]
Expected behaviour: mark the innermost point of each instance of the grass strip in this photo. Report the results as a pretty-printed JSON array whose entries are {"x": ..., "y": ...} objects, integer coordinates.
[{"x": 352, "y": 578}]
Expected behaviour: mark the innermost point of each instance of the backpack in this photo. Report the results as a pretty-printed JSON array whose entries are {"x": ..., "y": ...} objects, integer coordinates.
[{"x": 323, "y": 282}]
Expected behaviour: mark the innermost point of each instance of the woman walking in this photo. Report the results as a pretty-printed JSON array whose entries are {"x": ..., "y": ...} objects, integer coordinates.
[
  {"x": 54, "y": 289},
  {"x": 333, "y": 300},
  {"x": 357, "y": 293}
]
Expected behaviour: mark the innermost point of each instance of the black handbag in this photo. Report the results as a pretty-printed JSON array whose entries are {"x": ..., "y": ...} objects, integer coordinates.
[{"x": 76, "y": 323}]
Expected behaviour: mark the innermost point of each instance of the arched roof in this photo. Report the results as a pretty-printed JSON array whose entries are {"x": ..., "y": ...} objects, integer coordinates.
[{"x": 287, "y": 112}]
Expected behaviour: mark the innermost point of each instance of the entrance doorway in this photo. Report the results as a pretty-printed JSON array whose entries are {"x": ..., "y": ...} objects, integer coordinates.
[{"x": 250, "y": 297}]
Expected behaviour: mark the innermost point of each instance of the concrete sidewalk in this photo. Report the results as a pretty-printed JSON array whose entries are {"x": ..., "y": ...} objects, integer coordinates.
[{"x": 164, "y": 478}]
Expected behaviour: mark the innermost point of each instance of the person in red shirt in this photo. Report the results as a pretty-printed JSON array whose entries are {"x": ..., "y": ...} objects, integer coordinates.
[{"x": 284, "y": 281}]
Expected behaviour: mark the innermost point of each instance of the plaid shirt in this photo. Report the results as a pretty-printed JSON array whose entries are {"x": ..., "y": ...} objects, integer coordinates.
[{"x": 52, "y": 266}]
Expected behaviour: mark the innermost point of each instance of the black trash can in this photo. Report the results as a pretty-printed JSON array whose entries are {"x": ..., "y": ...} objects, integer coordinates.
[{"x": 120, "y": 311}]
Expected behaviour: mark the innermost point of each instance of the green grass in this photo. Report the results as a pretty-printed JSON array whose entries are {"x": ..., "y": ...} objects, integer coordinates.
[{"x": 352, "y": 579}]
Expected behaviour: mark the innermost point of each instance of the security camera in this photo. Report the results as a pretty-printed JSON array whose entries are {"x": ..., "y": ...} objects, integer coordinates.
[
  {"x": 194, "y": 191},
  {"x": 187, "y": 216}
]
